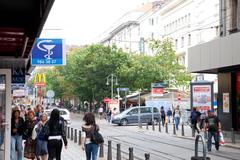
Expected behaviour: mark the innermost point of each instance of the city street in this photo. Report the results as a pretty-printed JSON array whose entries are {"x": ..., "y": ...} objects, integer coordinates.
[{"x": 159, "y": 145}]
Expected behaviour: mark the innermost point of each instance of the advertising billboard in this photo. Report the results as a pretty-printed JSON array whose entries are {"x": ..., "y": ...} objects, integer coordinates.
[{"x": 202, "y": 95}]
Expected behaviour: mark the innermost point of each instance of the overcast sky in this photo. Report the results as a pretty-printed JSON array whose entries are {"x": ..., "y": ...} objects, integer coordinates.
[{"x": 82, "y": 21}]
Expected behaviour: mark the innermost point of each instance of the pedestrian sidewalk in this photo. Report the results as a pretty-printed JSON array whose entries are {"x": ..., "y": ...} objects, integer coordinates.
[{"x": 73, "y": 152}]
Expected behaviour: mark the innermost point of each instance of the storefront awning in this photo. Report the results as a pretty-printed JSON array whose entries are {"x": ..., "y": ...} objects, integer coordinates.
[{"x": 21, "y": 22}]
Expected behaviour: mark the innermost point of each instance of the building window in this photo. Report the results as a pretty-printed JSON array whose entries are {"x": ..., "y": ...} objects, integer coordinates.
[
  {"x": 182, "y": 43},
  {"x": 151, "y": 21},
  {"x": 189, "y": 39},
  {"x": 183, "y": 60},
  {"x": 176, "y": 44},
  {"x": 152, "y": 35}
]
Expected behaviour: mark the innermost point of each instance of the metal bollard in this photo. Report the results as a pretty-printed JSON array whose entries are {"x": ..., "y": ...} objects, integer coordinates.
[
  {"x": 174, "y": 129},
  {"x": 68, "y": 132},
  {"x": 153, "y": 126},
  {"x": 119, "y": 152},
  {"x": 183, "y": 134},
  {"x": 101, "y": 151},
  {"x": 140, "y": 125},
  {"x": 193, "y": 131},
  {"x": 109, "y": 157},
  {"x": 159, "y": 127},
  {"x": 147, "y": 126},
  {"x": 130, "y": 153},
  {"x": 204, "y": 157},
  {"x": 71, "y": 134},
  {"x": 233, "y": 136},
  {"x": 147, "y": 156},
  {"x": 79, "y": 138},
  {"x": 75, "y": 136},
  {"x": 166, "y": 128}
]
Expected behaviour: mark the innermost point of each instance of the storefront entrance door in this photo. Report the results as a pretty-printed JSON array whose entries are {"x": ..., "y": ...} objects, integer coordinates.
[{"x": 5, "y": 113}]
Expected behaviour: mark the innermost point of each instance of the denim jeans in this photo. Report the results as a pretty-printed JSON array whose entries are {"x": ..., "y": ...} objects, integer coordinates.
[
  {"x": 163, "y": 120},
  {"x": 177, "y": 121},
  {"x": 16, "y": 146},
  {"x": 91, "y": 151},
  {"x": 1, "y": 136},
  {"x": 216, "y": 139}
]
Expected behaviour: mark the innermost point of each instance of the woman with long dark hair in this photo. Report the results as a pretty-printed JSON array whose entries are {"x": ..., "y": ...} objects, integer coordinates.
[
  {"x": 56, "y": 135},
  {"x": 17, "y": 128},
  {"x": 90, "y": 148}
]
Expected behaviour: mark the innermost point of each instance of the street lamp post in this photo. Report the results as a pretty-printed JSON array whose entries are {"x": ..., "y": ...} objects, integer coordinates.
[{"x": 113, "y": 77}]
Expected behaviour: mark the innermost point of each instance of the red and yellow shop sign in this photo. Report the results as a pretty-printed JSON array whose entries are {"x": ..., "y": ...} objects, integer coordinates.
[{"x": 39, "y": 80}]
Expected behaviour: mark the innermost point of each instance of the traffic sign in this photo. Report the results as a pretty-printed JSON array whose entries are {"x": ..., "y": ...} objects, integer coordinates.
[
  {"x": 123, "y": 89},
  {"x": 159, "y": 85},
  {"x": 106, "y": 100},
  {"x": 49, "y": 52},
  {"x": 50, "y": 93}
]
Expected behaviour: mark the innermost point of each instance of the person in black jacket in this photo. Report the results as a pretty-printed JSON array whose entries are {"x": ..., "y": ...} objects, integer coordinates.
[
  {"x": 56, "y": 134},
  {"x": 17, "y": 128}
]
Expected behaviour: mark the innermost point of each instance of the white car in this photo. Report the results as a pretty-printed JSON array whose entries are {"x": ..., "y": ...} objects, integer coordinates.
[{"x": 64, "y": 113}]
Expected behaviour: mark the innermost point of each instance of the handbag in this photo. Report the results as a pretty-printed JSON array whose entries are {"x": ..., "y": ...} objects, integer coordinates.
[{"x": 96, "y": 137}]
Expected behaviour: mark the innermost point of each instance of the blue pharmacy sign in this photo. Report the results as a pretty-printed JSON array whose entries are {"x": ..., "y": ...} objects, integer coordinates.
[{"x": 48, "y": 52}]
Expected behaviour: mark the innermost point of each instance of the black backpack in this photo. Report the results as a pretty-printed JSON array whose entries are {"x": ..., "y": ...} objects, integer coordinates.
[{"x": 96, "y": 137}]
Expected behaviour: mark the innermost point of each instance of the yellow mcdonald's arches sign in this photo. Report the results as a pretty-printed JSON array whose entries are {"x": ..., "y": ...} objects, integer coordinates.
[{"x": 39, "y": 80}]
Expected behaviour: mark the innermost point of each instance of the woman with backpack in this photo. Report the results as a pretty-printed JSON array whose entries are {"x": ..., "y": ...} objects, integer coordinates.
[
  {"x": 90, "y": 147},
  {"x": 39, "y": 136}
]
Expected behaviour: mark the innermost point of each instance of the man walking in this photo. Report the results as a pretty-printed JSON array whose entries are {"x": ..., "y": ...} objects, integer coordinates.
[
  {"x": 213, "y": 126},
  {"x": 169, "y": 114},
  {"x": 195, "y": 115},
  {"x": 162, "y": 115}
]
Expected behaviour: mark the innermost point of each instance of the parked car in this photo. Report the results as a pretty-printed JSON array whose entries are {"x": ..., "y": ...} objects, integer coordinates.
[
  {"x": 131, "y": 115},
  {"x": 64, "y": 113}
]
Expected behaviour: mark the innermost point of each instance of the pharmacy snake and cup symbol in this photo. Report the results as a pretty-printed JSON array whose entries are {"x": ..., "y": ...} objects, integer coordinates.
[{"x": 46, "y": 48}]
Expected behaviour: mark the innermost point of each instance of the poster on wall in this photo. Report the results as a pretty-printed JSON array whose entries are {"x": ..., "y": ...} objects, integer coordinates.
[
  {"x": 226, "y": 103},
  {"x": 202, "y": 96}
]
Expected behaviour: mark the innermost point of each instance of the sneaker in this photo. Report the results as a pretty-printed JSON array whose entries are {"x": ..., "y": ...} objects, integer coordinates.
[
  {"x": 217, "y": 148},
  {"x": 209, "y": 150}
]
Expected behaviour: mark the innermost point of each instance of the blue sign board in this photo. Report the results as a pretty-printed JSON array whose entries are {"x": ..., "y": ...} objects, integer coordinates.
[
  {"x": 48, "y": 52},
  {"x": 123, "y": 89},
  {"x": 18, "y": 75},
  {"x": 159, "y": 85}
]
